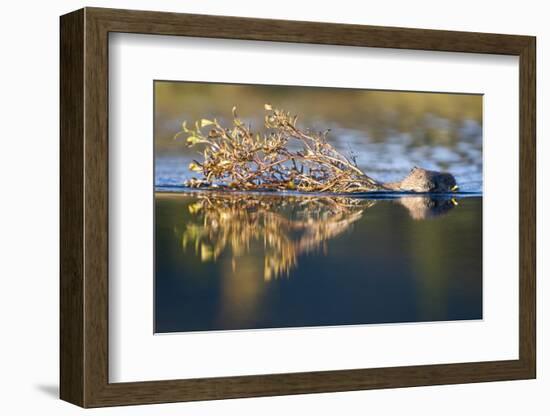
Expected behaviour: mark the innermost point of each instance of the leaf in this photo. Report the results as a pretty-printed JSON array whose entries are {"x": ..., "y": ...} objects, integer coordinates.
[
  {"x": 184, "y": 126},
  {"x": 179, "y": 133},
  {"x": 192, "y": 139},
  {"x": 195, "y": 167},
  {"x": 268, "y": 107},
  {"x": 234, "y": 111},
  {"x": 205, "y": 122}
]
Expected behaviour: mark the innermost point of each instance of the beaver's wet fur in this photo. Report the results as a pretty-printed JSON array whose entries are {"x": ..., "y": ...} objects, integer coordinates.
[{"x": 423, "y": 180}]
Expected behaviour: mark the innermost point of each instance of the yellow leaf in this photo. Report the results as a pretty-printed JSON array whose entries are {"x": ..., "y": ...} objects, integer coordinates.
[
  {"x": 192, "y": 139},
  {"x": 268, "y": 107},
  {"x": 195, "y": 167},
  {"x": 205, "y": 122}
]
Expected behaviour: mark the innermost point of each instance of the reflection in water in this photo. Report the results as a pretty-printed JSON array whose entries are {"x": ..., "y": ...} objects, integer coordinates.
[
  {"x": 426, "y": 207},
  {"x": 273, "y": 261},
  {"x": 287, "y": 226}
]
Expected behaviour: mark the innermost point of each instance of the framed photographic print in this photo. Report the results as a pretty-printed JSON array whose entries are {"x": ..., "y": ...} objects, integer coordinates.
[{"x": 256, "y": 207}]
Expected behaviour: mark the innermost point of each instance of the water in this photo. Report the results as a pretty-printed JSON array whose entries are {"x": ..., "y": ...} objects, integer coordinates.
[{"x": 229, "y": 261}]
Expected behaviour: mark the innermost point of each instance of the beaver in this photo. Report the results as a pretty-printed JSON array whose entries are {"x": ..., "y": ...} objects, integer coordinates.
[{"x": 423, "y": 180}]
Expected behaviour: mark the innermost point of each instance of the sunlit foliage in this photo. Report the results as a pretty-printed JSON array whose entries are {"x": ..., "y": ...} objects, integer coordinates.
[{"x": 284, "y": 157}]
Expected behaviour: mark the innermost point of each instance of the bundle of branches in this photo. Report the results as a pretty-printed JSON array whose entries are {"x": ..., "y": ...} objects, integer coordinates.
[{"x": 238, "y": 158}]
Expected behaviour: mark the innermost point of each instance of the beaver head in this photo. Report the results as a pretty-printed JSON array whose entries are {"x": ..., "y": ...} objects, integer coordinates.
[{"x": 422, "y": 180}]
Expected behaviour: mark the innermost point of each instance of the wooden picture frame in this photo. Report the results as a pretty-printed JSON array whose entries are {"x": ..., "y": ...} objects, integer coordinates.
[{"x": 84, "y": 207}]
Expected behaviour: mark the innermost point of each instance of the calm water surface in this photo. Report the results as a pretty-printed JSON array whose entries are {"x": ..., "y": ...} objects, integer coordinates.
[{"x": 232, "y": 261}]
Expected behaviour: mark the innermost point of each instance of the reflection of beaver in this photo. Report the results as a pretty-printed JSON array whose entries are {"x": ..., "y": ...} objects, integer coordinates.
[
  {"x": 422, "y": 180},
  {"x": 422, "y": 207}
]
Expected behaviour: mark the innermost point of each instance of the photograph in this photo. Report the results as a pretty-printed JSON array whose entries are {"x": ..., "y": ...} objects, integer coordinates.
[
  {"x": 267, "y": 204},
  {"x": 282, "y": 206}
]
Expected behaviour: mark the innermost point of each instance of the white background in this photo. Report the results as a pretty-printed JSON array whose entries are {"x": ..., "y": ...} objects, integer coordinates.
[
  {"x": 29, "y": 209},
  {"x": 136, "y": 355}
]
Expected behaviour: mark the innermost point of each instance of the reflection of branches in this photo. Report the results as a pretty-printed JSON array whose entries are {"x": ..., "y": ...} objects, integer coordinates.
[{"x": 286, "y": 226}]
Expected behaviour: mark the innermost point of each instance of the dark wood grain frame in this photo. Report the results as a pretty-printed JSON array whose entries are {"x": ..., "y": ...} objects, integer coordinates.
[{"x": 84, "y": 207}]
